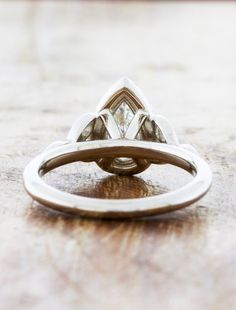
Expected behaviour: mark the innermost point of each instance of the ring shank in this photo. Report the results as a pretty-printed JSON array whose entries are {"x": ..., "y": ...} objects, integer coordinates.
[{"x": 92, "y": 150}]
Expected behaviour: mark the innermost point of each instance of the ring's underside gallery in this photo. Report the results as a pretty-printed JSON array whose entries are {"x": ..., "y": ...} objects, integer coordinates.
[{"x": 123, "y": 137}]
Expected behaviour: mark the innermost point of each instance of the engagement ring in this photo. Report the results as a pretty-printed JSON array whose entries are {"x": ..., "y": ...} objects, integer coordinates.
[{"x": 123, "y": 137}]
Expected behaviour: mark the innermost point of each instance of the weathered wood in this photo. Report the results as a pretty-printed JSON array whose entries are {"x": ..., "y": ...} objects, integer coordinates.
[{"x": 56, "y": 59}]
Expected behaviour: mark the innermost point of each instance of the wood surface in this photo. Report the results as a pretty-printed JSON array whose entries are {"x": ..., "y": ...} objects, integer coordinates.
[{"x": 56, "y": 60}]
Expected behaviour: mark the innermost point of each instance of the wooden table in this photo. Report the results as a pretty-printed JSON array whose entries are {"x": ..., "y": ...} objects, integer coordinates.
[{"x": 56, "y": 60}]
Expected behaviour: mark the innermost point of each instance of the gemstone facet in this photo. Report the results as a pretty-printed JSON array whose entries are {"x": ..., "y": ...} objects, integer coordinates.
[{"x": 123, "y": 116}]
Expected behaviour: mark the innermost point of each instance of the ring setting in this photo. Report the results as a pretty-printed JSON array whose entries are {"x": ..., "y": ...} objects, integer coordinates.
[{"x": 123, "y": 137}]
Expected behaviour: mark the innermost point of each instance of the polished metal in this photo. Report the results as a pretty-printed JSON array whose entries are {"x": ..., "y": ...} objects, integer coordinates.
[{"x": 122, "y": 137}]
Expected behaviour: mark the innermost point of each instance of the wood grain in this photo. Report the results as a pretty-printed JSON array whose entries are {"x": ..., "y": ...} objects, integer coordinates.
[{"x": 56, "y": 60}]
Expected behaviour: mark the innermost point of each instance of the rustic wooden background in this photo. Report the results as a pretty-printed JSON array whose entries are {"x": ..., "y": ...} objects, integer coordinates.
[{"x": 56, "y": 60}]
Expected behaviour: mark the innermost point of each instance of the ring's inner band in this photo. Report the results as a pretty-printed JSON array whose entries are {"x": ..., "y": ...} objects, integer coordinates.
[{"x": 154, "y": 156}]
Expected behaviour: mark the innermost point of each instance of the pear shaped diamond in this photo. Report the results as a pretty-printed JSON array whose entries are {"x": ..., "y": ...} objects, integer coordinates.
[{"x": 123, "y": 116}]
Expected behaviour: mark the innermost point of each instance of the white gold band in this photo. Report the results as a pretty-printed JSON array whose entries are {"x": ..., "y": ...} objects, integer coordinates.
[{"x": 110, "y": 208}]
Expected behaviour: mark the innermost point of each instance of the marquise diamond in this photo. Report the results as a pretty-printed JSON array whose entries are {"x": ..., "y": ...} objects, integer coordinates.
[{"x": 123, "y": 116}]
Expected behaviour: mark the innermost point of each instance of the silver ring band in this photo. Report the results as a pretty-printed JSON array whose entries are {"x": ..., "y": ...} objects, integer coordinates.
[{"x": 111, "y": 208}]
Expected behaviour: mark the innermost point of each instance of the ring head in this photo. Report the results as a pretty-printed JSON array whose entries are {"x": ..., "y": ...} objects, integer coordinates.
[{"x": 123, "y": 113}]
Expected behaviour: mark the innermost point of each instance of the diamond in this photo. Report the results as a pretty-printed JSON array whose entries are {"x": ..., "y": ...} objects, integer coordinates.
[{"x": 123, "y": 116}]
